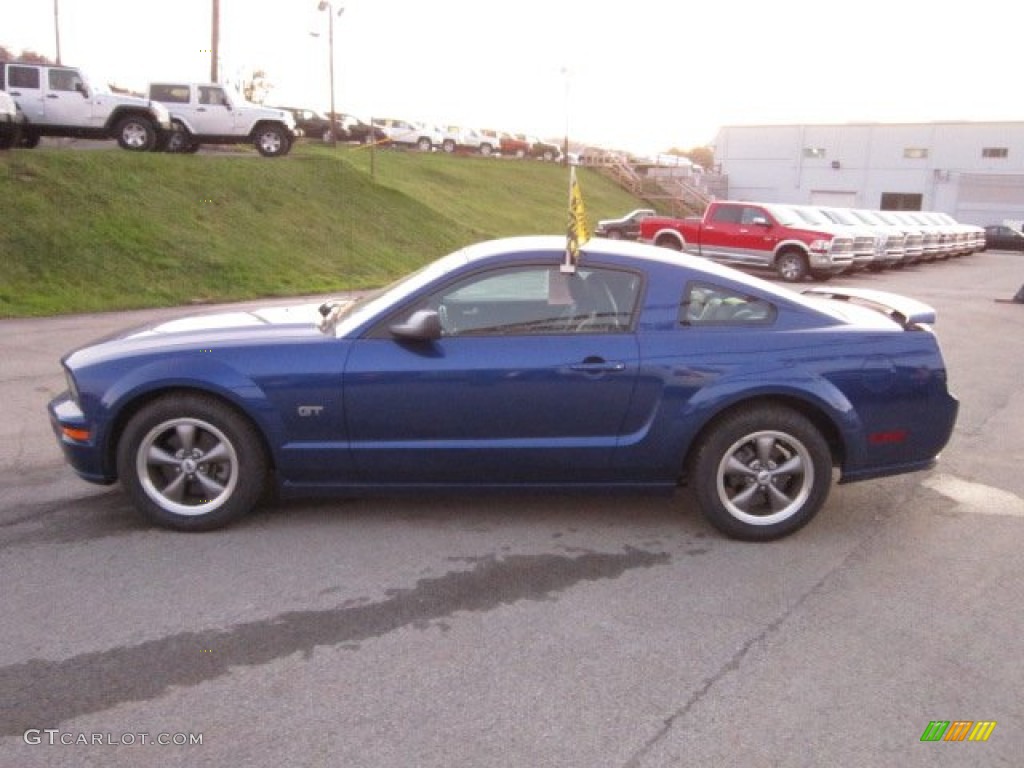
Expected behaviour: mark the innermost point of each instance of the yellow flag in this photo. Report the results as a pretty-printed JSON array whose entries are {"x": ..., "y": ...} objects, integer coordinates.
[{"x": 578, "y": 233}]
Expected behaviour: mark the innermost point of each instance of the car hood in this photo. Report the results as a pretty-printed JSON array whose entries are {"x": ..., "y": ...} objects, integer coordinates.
[
  {"x": 206, "y": 332},
  {"x": 265, "y": 318}
]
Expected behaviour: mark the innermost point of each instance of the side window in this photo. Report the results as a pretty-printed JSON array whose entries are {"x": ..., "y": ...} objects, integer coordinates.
[
  {"x": 750, "y": 214},
  {"x": 214, "y": 96},
  {"x": 172, "y": 94},
  {"x": 538, "y": 300},
  {"x": 64, "y": 80},
  {"x": 727, "y": 214},
  {"x": 23, "y": 77},
  {"x": 706, "y": 304}
]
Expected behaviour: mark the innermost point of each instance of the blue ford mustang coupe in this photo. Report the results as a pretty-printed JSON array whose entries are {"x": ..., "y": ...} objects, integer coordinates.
[{"x": 495, "y": 368}]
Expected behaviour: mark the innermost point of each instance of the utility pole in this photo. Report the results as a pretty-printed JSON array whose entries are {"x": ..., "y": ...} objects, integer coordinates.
[
  {"x": 56, "y": 26},
  {"x": 214, "y": 41}
]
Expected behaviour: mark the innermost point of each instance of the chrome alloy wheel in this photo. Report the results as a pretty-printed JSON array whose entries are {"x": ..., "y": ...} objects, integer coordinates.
[
  {"x": 270, "y": 143},
  {"x": 187, "y": 466},
  {"x": 765, "y": 477},
  {"x": 134, "y": 135}
]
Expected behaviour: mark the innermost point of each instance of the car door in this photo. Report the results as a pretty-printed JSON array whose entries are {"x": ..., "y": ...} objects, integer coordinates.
[
  {"x": 525, "y": 386},
  {"x": 740, "y": 234},
  {"x": 65, "y": 101},
  {"x": 25, "y": 86},
  {"x": 212, "y": 115}
]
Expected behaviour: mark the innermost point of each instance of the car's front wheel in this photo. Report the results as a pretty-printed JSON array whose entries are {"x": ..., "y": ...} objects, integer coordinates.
[
  {"x": 791, "y": 266},
  {"x": 762, "y": 473},
  {"x": 136, "y": 133},
  {"x": 272, "y": 141},
  {"x": 191, "y": 463}
]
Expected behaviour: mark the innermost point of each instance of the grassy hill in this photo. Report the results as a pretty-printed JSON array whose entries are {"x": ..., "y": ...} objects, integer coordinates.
[{"x": 108, "y": 229}]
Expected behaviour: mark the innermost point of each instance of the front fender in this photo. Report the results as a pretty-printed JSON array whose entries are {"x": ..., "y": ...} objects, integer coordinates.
[{"x": 203, "y": 375}]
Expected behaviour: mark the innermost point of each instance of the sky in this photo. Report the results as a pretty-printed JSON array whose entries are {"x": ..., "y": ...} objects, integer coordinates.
[{"x": 642, "y": 75}]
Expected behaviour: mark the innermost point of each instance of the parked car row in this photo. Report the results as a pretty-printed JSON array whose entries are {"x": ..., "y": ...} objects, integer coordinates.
[
  {"x": 800, "y": 241},
  {"x": 421, "y": 136}
]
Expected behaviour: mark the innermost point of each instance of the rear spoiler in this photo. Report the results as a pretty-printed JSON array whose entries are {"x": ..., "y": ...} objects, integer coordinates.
[{"x": 909, "y": 313}]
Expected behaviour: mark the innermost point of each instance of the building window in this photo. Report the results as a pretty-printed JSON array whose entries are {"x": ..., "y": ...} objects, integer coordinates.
[
  {"x": 896, "y": 201},
  {"x": 816, "y": 152},
  {"x": 915, "y": 153},
  {"x": 995, "y": 152}
]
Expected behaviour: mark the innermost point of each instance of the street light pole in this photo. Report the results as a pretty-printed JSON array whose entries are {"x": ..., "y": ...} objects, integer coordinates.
[
  {"x": 56, "y": 27},
  {"x": 325, "y": 5}
]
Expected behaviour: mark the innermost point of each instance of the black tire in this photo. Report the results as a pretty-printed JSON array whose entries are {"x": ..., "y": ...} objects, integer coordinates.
[
  {"x": 424, "y": 145},
  {"x": 669, "y": 242},
  {"x": 448, "y": 146},
  {"x": 614, "y": 234},
  {"x": 180, "y": 139},
  {"x": 29, "y": 140},
  {"x": 136, "y": 133},
  {"x": 762, "y": 473},
  {"x": 191, "y": 463},
  {"x": 791, "y": 266},
  {"x": 486, "y": 150},
  {"x": 271, "y": 140}
]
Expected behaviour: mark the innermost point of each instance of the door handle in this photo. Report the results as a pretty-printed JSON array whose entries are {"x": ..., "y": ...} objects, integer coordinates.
[
  {"x": 51, "y": 96},
  {"x": 598, "y": 365}
]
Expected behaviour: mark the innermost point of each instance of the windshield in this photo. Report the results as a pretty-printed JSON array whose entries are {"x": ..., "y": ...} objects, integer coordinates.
[
  {"x": 785, "y": 216},
  {"x": 370, "y": 304},
  {"x": 842, "y": 217},
  {"x": 813, "y": 216}
]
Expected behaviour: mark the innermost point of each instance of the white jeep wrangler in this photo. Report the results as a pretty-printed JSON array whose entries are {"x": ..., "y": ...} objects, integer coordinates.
[
  {"x": 206, "y": 113},
  {"x": 58, "y": 101}
]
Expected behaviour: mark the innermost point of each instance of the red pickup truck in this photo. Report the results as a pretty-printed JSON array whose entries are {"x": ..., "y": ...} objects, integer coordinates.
[{"x": 761, "y": 235}]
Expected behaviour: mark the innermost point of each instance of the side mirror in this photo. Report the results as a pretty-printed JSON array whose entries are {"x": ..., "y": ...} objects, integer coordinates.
[
  {"x": 83, "y": 89},
  {"x": 422, "y": 325}
]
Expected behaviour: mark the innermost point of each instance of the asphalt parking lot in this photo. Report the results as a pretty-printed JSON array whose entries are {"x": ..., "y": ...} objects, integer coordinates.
[{"x": 533, "y": 631}]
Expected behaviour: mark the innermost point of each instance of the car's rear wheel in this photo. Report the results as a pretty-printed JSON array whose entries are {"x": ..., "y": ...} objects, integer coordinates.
[
  {"x": 666, "y": 241},
  {"x": 424, "y": 145},
  {"x": 180, "y": 139},
  {"x": 762, "y": 473},
  {"x": 791, "y": 266},
  {"x": 271, "y": 141},
  {"x": 191, "y": 463},
  {"x": 136, "y": 133},
  {"x": 486, "y": 150},
  {"x": 448, "y": 146}
]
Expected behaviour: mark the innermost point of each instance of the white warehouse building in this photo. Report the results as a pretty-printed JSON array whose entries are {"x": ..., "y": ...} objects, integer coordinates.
[{"x": 973, "y": 171}]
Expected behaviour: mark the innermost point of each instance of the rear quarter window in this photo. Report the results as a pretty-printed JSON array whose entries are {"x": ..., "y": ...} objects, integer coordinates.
[{"x": 706, "y": 304}]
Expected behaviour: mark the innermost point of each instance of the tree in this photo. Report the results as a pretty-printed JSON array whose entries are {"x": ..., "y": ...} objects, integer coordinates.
[
  {"x": 28, "y": 56},
  {"x": 256, "y": 87},
  {"x": 702, "y": 156}
]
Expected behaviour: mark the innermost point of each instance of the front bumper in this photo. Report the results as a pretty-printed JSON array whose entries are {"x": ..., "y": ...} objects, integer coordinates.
[{"x": 83, "y": 455}]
